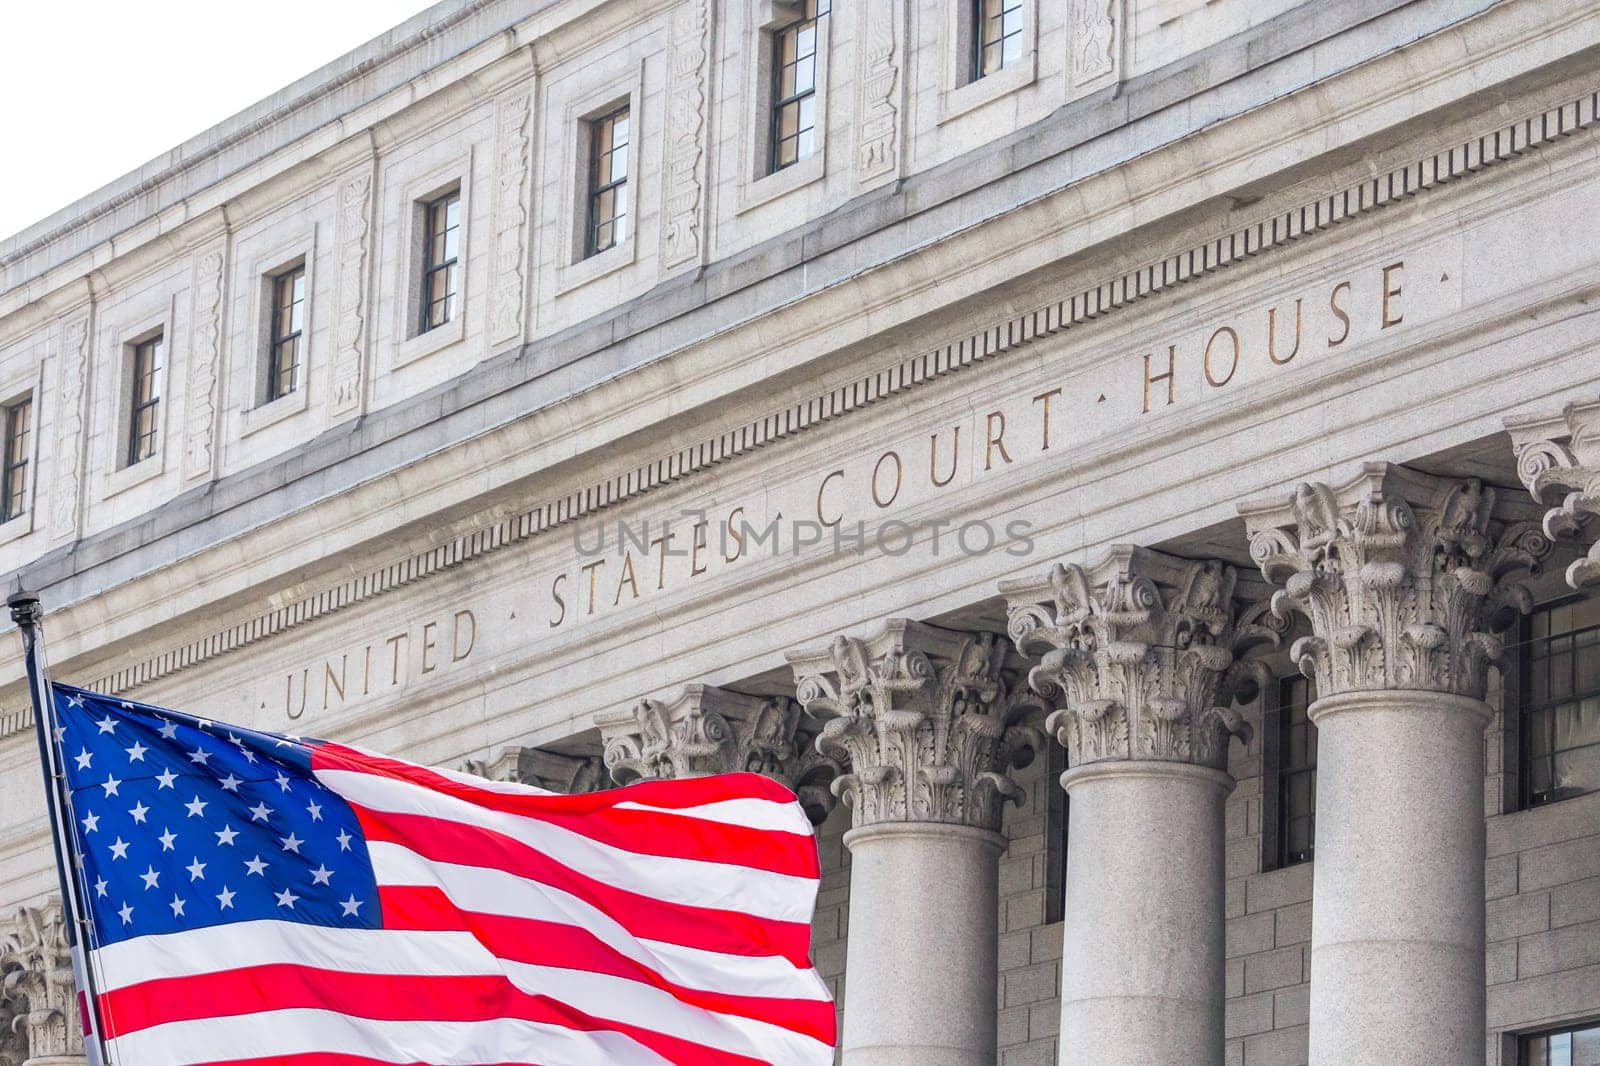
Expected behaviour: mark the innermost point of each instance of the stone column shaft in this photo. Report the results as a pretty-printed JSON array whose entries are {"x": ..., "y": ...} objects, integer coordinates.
[
  {"x": 1140, "y": 654},
  {"x": 927, "y": 721},
  {"x": 1407, "y": 581}
]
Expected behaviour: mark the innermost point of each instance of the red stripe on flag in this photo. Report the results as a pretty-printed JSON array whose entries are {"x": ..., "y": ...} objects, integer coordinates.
[
  {"x": 724, "y": 931},
  {"x": 325, "y": 1058},
  {"x": 381, "y": 997},
  {"x": 543, "y": 943},
  {"x": 674, "y": 795}
]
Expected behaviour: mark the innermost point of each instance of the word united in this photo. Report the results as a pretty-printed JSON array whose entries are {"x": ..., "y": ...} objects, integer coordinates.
[{"x": 259, "y": 899}]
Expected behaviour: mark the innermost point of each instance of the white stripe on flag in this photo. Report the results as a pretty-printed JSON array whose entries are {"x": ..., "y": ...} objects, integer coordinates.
[
  {"x": 487, "y": 891},
  {"x": 691, "y": 882},
  {"x": 394, "y": 953}
]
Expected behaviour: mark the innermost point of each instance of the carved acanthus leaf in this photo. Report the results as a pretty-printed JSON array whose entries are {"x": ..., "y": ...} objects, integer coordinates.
[
  {"x": 36, "y": 977},
  {"x": 1406, "y": 580},
  {"x": 549, "y": 770},
  {"x": 1558, "y": 460},
  {"x": 1141, "y": 654},
  {"x": 709, "y": 730},
  {"x": 928, "y": 720}
]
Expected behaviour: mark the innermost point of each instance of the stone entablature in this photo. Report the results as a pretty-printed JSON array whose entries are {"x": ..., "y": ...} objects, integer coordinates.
[
  {"x": 1143, "y": 653},
  {"x": 1558, "y": 460},
  {"x": 36, "y": 986},
  {"x": 709, "y": 730},
  {"x": 1408, "y": 580},
  {"x": 930, "y": 722}
]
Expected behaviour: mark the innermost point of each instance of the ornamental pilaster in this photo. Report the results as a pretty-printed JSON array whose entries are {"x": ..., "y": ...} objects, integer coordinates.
[
  {"x": 929, "y": 720},
  {"x": 1408, "y": 580},
  {"x": 1142, "y": 653},
  {"x": 709, "y": 730},
  {"x": 549, "y": 770},
  {"x": 1558, "y": 459},
  {"x": 36, "y": 979}
]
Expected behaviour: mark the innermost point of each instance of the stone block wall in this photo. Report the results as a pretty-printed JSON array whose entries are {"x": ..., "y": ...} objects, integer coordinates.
[
  {"x": 1267, "y": 942},
  {"x": 1030, "y": 949},
  {"x": 1542, "y": 879}
]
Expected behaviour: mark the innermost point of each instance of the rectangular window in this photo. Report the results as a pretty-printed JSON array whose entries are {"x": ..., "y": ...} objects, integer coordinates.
[
  {"x": 145, "y": 397},
  {"x": 996, "y": 35},
  {"x": 1289, "y": 765},
  {"x": 17, "y": 417},
  {"x": 794, "y": 89},
  {"x": 288, "y": 323},
  {"x": 1568, "y": 1047},
  {"x": 608, "y": 182},
  {"x": 1559, "y": 722},
  {"x": 441, "y": 270}
]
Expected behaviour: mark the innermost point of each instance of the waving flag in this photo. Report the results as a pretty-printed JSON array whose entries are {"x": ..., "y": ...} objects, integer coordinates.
[{"x": 269, "y": 899}]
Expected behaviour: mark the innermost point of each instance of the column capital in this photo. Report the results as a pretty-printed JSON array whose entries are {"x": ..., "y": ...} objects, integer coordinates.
[
  {"x": 1143, "y": 652},
  {"x": 549, "y": 770},
  {"x": 1408, "y": 580},
  {"x": 1558, "y": 459},
  {"x": 709, "y": 730},
  {"x": 36, "y": 977},
  {"x": 928, "y": 718}
]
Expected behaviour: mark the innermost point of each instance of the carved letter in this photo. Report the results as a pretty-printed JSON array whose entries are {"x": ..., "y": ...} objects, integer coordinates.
[
  {"x": 1333, "y": 304},
  {"x": 933, "y": 456},
  {"x": 1172, "y": 358},
  {"x": 457, "y": 652},
  {"x": 555, "y": 594},
  {"x": 996, "y": 440},
  {"x": 1272, "y": 334},
  {"x": 1045, "y": 396},
  {"x": 824, "y": 488},
  {"x": 1388, "y": 291},
  {"x": 1211, "y": 379},
  {"x": 428, "y": 644},
  {"x": 877, "y": 498}
]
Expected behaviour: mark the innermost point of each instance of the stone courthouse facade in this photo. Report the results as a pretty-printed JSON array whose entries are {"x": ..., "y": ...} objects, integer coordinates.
[{"x": 929, "y": 403}]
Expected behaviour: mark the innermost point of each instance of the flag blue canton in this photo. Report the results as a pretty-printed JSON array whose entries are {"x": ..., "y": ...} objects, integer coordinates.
[{"x": 180, "y": 823}]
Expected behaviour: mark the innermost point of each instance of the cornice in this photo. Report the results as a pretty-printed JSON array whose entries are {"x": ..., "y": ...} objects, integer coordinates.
[{"x": 1419, "y": 177}]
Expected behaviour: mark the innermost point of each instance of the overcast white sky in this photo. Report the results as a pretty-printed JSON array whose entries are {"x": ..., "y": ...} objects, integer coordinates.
[{"x": 96, "y": 88}]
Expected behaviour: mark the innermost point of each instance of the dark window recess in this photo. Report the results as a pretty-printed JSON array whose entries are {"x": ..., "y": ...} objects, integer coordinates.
[
  {"x": 1559, "y": 719},
  {"x": 288, "y": 323},
  {"x": 145, "y": 407},
  {"x": 996, "y": 35},
  {"x": 1057, "y": 808},
  {"x": 18, "y": 420},
  {"x": 1289, "y": 756},
  {"x": 608, "y": 182},
  {"x": 794, "y": 89},
  {"x": 441, "y": 269},
  {"x": 1578, "y": 1046}
]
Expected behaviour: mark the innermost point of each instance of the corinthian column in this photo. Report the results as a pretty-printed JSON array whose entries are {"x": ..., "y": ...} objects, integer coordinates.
[
  {"x": 709, "y": 730},
  {"x": 36, "y": 979},
  {"x": 1407, "y": 581},
  {"x": 1140, "y": 654},
  {"x": 1559, "y": 460},
  {"x": 925, "y": 717}
]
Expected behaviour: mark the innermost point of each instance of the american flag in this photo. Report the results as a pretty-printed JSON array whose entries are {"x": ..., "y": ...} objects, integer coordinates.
[{"x": 258, "y": 899}]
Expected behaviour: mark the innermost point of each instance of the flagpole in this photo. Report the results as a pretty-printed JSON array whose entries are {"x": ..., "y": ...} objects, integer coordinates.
[{"x": 27, "y": 613}]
